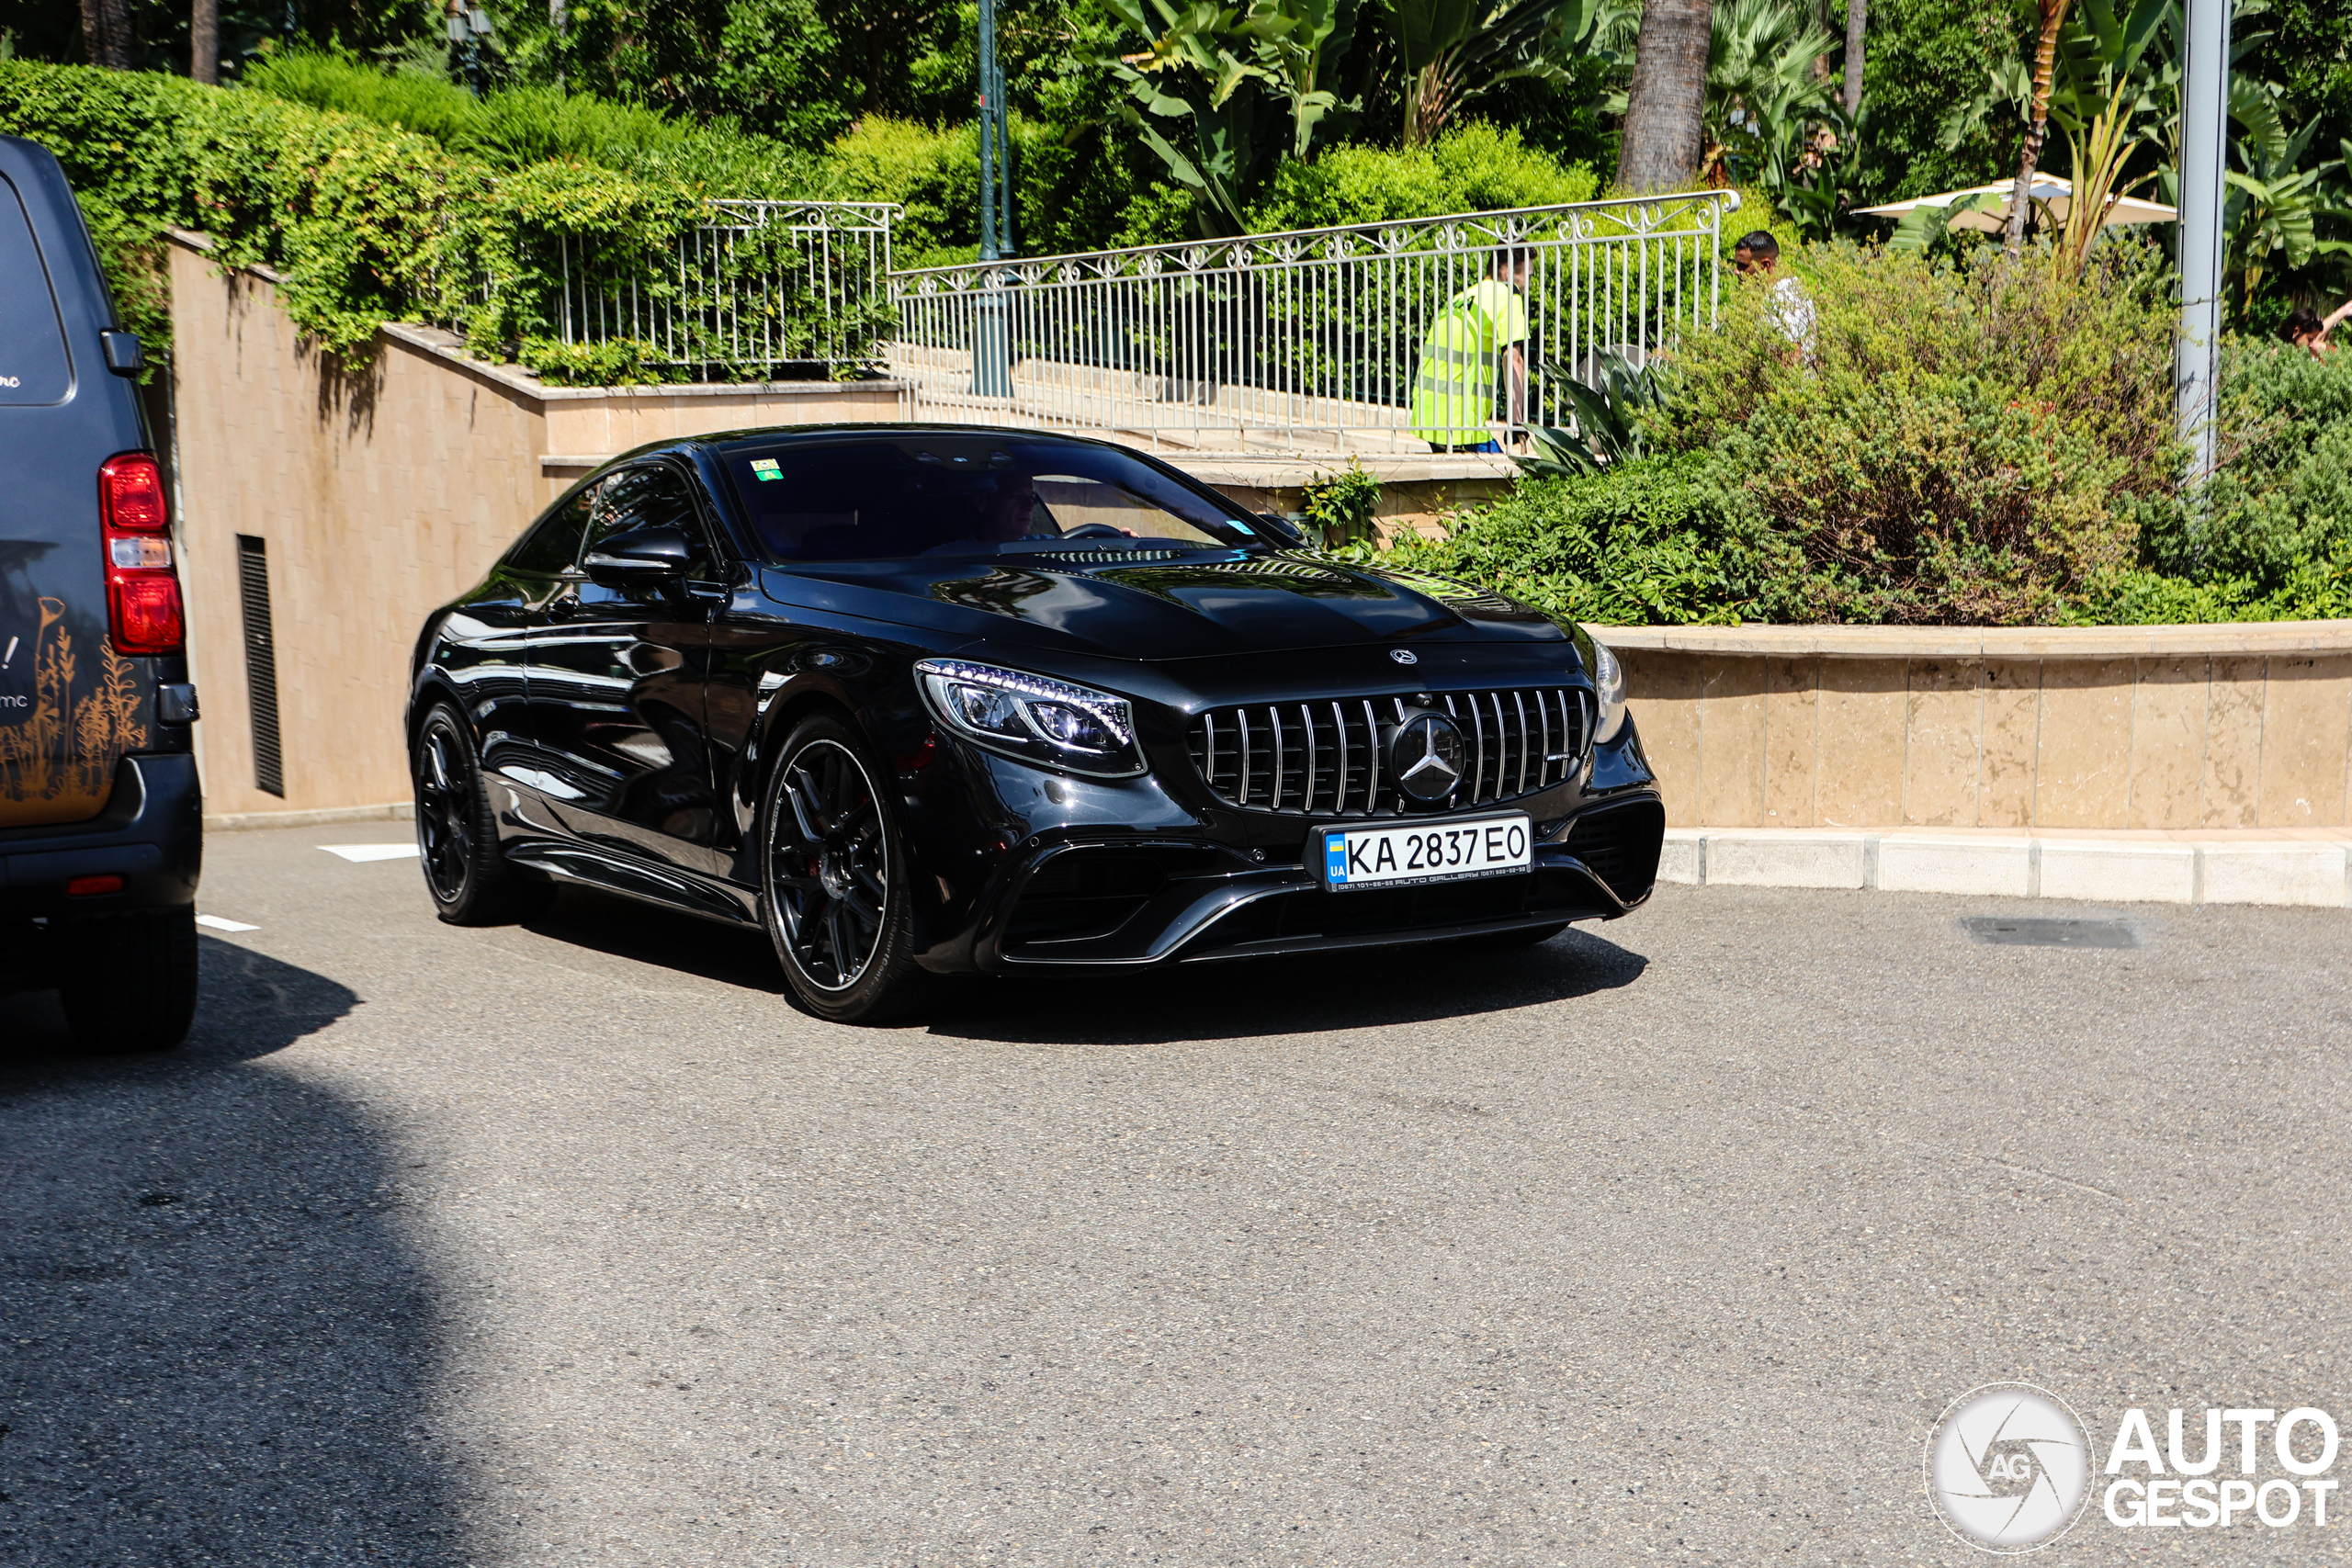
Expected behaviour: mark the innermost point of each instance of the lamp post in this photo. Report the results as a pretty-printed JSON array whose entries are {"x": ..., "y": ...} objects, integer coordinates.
[
  {"x": 991, "y": 370},
  {"x": 2204, "y": 128},
  {"x": 468, "y": 25}
]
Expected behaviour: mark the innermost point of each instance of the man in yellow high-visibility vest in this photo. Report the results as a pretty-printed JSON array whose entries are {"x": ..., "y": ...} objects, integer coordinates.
[{"x": 1479, "y": 337}]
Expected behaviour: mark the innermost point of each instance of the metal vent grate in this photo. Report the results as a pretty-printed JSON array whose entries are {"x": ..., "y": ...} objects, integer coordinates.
[
  {"x": 1325, "y": 758},
  {"x": 261, "y": 665}
]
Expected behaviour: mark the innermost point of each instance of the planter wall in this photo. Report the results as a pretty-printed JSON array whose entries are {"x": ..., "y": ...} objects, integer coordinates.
[{"x": 2180, "y": 728}]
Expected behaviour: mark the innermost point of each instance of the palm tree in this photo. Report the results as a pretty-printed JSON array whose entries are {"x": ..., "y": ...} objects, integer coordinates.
[
  {"x": 1763, "y": 95},
  {"x": 106, "y": 33},
  {"x": 2053, "y": 16},
  {"x": 1857, "y": 13},
  {"x": 1665, "y": 106}
]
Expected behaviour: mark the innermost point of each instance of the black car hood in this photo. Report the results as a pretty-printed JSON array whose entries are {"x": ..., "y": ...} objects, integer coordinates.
[{"x": 1196, "y": 606}]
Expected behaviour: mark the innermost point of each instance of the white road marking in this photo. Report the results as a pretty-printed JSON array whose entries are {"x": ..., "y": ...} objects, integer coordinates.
[
  {"x": 357, "y": 853},
  {"x": 217, "y": 924}
]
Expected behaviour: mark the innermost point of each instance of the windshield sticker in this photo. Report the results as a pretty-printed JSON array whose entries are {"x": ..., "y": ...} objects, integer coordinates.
[{"x": 766, "y": 468}]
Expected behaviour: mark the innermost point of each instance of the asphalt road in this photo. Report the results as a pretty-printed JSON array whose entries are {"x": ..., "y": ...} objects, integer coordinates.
[{"x": 1669, "y": 1238}]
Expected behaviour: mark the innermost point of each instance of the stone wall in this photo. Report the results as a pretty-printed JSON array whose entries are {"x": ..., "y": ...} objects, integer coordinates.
[{"x": 2178, "y": 727}]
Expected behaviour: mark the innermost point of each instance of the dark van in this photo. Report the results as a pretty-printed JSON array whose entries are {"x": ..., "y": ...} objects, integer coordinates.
[{"x": 101, "y": 820}]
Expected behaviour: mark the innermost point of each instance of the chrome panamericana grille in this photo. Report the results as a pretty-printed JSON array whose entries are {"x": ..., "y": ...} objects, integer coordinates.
[{"x": 1327, "y": 758}]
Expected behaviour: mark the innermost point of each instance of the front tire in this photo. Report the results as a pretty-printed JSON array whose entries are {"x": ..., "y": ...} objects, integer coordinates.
[
  {"x": 129, "y": 981},
  {"x": 835, "y": 879},
  {"x": 456, "y": 836}
]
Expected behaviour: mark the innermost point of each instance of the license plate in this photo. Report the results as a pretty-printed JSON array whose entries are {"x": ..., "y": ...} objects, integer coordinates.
[{"x": 1411, "y": 853}]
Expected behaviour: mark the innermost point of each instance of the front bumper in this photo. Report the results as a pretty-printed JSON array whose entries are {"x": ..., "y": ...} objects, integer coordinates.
[
  {"x": 1133, "y": 875},
  {"x": 151, "y": 834},
  {"x": 1065, "y": 911}
]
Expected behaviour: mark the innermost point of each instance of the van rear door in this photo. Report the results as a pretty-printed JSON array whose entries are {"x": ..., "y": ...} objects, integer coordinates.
[{"x": 71, "y": 703}]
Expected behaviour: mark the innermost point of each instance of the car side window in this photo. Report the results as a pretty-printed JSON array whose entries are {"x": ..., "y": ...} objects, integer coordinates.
[
  {"x": 553, "y": 548},
  {"x": 655, "y": 496}
]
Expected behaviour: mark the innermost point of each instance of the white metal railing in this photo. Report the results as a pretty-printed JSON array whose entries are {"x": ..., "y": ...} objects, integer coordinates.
[
  {"x": 1303, "y": 341},
  {"x": 763, "y": 286}
]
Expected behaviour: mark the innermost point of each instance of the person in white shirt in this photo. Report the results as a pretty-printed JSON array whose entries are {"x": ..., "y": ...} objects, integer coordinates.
[{"x": 1757, "y": 255}]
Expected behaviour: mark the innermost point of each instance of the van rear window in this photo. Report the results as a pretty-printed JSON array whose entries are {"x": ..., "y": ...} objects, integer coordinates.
[{"x": 33, "y": 366}]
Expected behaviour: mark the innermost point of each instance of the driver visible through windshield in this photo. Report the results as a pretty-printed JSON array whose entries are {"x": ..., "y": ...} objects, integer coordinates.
[{"x": 922, "y": 495}]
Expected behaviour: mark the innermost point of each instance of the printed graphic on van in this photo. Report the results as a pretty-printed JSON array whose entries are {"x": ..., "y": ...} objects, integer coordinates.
[{"x": 67, "y": 715}]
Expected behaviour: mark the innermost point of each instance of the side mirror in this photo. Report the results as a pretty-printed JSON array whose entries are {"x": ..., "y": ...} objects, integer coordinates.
[
  {"x": 639, "y": 556},
  {"x": 1284, "y": 530},
  {"x": 124, "y": 356}
]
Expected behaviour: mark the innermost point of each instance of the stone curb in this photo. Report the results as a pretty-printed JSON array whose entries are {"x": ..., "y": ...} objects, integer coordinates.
[
  {"x": 235, "y": 821},
  {"x": 2314, "y": 874}
]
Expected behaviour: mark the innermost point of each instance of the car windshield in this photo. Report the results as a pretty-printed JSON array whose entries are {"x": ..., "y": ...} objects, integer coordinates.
[{"x": 953, "y": 495}]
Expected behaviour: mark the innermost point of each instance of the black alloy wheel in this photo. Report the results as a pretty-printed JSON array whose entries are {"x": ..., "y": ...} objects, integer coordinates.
[
  {"x": 835, "y": 876},
  {"x": 455, "y": 839}
]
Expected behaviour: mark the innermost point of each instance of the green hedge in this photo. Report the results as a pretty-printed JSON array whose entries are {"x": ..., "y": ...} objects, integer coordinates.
[
  {"x": 367, "y": 222},
  {"x": 517, "y": 127},
  {"x": 1473, "y": 167}
]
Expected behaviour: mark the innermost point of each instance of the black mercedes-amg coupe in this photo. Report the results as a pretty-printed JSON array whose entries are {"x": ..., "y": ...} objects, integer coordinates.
[{"x": 934, "y": 700}]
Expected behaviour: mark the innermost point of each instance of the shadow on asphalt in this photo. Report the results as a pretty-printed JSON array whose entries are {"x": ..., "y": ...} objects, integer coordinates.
[
  {"x": 1287, "y": 995},
  {"x": 219, "y": 1342},
  {"x": 644, "y": 934},
  {"x": 1203, "y": 1001}
]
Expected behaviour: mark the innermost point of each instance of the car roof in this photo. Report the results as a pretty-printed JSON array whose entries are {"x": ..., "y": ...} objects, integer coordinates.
[{"x": 721, "y": 443}]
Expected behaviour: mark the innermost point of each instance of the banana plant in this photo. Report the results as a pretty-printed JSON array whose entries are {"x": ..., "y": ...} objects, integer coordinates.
[
  {"x": 1922, "y": 228},
  {"x": 1454, "y": 51},
  {"x": 1243, "y": 80},
  {"x": 2273, "y": 199}
]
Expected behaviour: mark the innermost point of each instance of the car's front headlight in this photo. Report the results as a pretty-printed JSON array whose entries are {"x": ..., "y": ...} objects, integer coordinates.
[
  {"x": 1029, "y": 717},
  {"x": 1608, "y": 688}
]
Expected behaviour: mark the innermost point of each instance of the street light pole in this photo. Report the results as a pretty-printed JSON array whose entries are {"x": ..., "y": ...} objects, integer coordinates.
[
  {"x": 992, "y": 371},
  {"x": 2204, "y": 129}
]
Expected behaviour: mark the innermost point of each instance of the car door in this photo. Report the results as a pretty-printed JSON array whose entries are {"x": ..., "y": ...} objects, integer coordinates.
[
  {"x": 485, "y": 642},
  {"x": 615, "y": 685}
]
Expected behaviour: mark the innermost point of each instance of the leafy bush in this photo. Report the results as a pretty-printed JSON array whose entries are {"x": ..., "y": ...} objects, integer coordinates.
[
  {"x": 517, "y": 127},
  {"x": 2282, "y": 496},
  {"x": 1473, "y": 167},
  {"x": 1966, "y": 442},
  {"x": 1342, "y": 505},
  {"x": 1648, "y": 540},
  {"x": 366, "y": 222},
  {"x": 1984, "y": 444}
]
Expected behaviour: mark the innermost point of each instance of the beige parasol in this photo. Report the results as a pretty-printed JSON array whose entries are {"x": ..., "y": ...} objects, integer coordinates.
[{"x": 2050, "y": 191}]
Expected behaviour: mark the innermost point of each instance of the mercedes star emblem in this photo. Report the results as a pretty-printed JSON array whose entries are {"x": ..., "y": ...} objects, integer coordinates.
[
  {"x": 1427, "y": 757},
  {"x": 1404, "y": 656}
]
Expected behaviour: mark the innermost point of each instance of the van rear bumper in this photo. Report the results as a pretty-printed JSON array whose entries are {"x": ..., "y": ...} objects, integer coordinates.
[{"x": 151, "y": 835}]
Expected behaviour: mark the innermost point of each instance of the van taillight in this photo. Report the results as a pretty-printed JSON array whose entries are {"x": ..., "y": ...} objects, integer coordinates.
[{"x": 142, "y": 585}]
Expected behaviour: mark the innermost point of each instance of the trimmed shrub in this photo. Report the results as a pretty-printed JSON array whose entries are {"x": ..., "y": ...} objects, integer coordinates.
[
  {"x": 1473, "y": 167},
  {"x": 1652, "y": 540}
]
